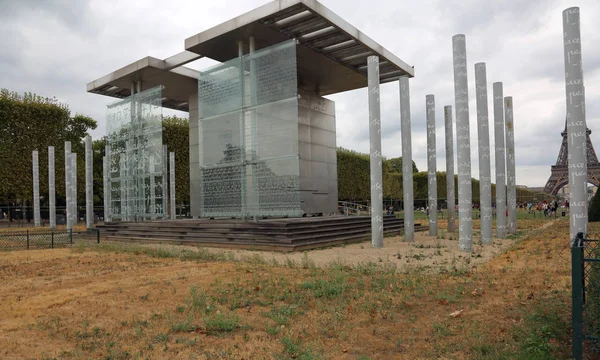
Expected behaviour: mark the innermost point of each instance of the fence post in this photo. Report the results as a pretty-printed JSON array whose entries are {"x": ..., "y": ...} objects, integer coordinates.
[
  {"x": 98, "y": 235},
  {"x": 27, "y": 239},
  {"x": 577, "y": 288},
  {"x": 52, "y": 243}
]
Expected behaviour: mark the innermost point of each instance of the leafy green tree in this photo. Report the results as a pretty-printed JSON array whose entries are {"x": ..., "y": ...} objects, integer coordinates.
[{"x": 396, "y": 165}]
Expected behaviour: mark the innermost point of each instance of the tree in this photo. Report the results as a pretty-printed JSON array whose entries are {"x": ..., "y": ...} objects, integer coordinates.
[
  {"x": 396, "y": 165},
  {"x": 594, "y": 210},
  {"x": 176, "y": 132}
]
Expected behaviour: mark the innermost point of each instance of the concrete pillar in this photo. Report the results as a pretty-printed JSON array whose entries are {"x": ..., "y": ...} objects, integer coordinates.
[
  {"x": 500, "y": 161},
  {"x": 165, "y": 181},
  {"x": 375, "y": 153},
  {"x": 576, "y": 122},
  {"x": 431, "y": 164},
  {"x": 107, "y": 187},
  {"x": 510, "y": 166},
  {"x": 407, "y": 169},
  {"x": 36, "y": 190},
  {"x": 451, "y": 199},
  {"x": 51, "y": 188},
  {"x": 74, "y": 212},
  {"x": 483, "y": 132},
  {"x": 123, "y": 187},
  {"x": 463, "y": 143},
  {"x": 68, "y": 189},
  {"x": 152, "y": 188},
  {"x": 172, "y": 186},
  {"x": 89, "y": 183}
]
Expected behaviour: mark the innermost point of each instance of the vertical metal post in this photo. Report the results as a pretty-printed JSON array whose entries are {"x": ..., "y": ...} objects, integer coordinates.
[
  {"x": 107, "y": 186},
  {"x": 71, "y": 235},
  {"x": 51, "y": 188},
  {"x": 27, "y": 239},
  {"x": 123, "y": 186},
  {"x": 68, "y": 184},
  {"x": 407, "y": 168},
  {"x": 576, "y": 123},
  {"x": 89, "y": 183},
  {"x": 75, "y": 213},
  {"x": 165, "y": 167},
  {"x": 375, "y": 153},
  {"x": 577, "y": 295},
  {"x": 463, "y": 142},
  {"x": 36, "y": 190},
  {"x": 511, "y": 185},
  {"x": 52, "y": 240},
  {"x": 98, "y": 236},
  {"x": 483, "y": 132},
  {"x": 172, "y": 186},
  {"x": 500, "y": 161},
  {"x": 251, "y": 180},
  {"x": 152, "y": 188},
  {"x": 431, "y": 164},
  {"x": 451, "y": 200}
]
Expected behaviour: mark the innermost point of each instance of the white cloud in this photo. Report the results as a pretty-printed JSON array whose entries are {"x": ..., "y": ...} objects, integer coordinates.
[{"x": 54, "y": 49}]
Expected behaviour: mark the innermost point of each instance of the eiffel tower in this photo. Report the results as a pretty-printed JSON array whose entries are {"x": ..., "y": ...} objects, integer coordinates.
[{"x": 560, "y": 172}]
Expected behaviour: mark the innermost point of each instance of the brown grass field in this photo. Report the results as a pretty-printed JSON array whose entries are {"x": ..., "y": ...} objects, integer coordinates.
[{"x": 115, "y": 301}]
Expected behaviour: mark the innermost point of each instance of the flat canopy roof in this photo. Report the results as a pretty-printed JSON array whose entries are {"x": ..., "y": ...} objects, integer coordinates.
[{"x": 332, "y": 54}]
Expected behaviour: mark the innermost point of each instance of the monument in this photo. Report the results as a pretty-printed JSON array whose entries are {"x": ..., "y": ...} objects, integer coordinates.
[{"x": 262, "y": 136}]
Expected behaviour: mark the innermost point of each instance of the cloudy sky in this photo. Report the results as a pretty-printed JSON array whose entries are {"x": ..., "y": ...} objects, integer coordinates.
[{"x": 55, "y": 47}]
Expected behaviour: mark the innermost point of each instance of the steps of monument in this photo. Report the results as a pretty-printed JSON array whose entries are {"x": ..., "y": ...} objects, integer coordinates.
[
  {"x": 243, "y": 231},
  {"x": 287, "y": 234}
]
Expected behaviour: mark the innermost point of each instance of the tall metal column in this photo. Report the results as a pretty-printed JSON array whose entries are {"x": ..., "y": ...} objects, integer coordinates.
[
  {"x": 68, "y": 189},
  {"x": 107, "y": 186},
  {"x": 500, "y": 161},
  {"x": 165, "y": 181},
  {"x": 510, "y": 166},
  {"x": 576, "y": 122},
  {"x": 152, "y": 188},
  {"x": 172, "y": 186},
  {"x": 463, "y": 142},
  {"x": 483, "y": 132},
  {"x": 36, "y": 190},
  {"x": 407, "y": 169},
  {"x": 451, "y": 200},
  {"x": 375, "y": 153},
  {"x": 51, "y": 188},
  {"x": 74, "y": 210},
  {"x": 89, "y": 183},
  {"x": 431, "y": 164},
  {"x": 123, "y": 187}
]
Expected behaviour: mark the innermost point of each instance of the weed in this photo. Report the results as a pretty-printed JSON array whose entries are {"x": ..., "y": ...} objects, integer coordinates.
[{"x": 221, "y": 323}]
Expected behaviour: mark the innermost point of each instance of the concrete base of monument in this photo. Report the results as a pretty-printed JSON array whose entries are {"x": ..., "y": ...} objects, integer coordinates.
[{"x": 288, "y": 234}]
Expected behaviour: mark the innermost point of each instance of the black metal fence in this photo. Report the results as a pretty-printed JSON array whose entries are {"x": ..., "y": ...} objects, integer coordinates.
[
  {"x": 34, "y": 239},
  {"x": 585, "y": 255}
]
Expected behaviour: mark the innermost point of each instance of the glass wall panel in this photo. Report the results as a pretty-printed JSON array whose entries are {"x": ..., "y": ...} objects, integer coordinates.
[
  {"x": 248, "y": 110},
  {"x": 134, "y": 135}
]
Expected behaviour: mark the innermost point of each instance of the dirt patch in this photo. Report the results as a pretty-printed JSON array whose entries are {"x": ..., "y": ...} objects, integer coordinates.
[{"x": 86, "y": 304}]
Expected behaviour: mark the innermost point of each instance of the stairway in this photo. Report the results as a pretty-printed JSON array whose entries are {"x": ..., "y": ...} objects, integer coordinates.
[{"x": 289, "y": 234}]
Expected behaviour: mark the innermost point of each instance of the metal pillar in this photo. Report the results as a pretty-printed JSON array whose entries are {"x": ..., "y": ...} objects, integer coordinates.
[
  {"x": 576, "y": 123},
  {"x": 500, "y": 161},
  {"x": 451, "y": 200},
  {"x": 172, "y": 186},
  {"x": 431, "y": 164},
  {"x": 511, "y": 185},
  {"x": 74, "y": 212},
  {"x": 407, "y": 169},
  {"x": 51, "y": 188},
  {"x": 375, "y": 153},
  {"x": 123, "y": 187},
  {"x": 165, "y": 169},
  {"x": 483, "y": 132},
  {"x": 152, "y": 188},
  {"x": 36, "y": 190},
  {"x": 89, "y": 183},
  {"x": 68, "y": 185},
  {"x": 463, "y": 142},
  {"x": 107, "y": 186}
]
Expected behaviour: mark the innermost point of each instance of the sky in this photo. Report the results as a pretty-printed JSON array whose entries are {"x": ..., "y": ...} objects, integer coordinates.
[{"x": 55, "y": 47}]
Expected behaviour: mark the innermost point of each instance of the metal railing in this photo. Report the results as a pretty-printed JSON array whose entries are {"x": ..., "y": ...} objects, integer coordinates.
[
  {"x": 585, "y": 267},
  {"x": 47, "y": 239},
  {"x": 349, "y": 208}
]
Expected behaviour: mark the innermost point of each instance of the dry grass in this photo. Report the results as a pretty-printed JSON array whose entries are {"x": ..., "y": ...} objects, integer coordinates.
[{"x": 138, "y": 302}]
